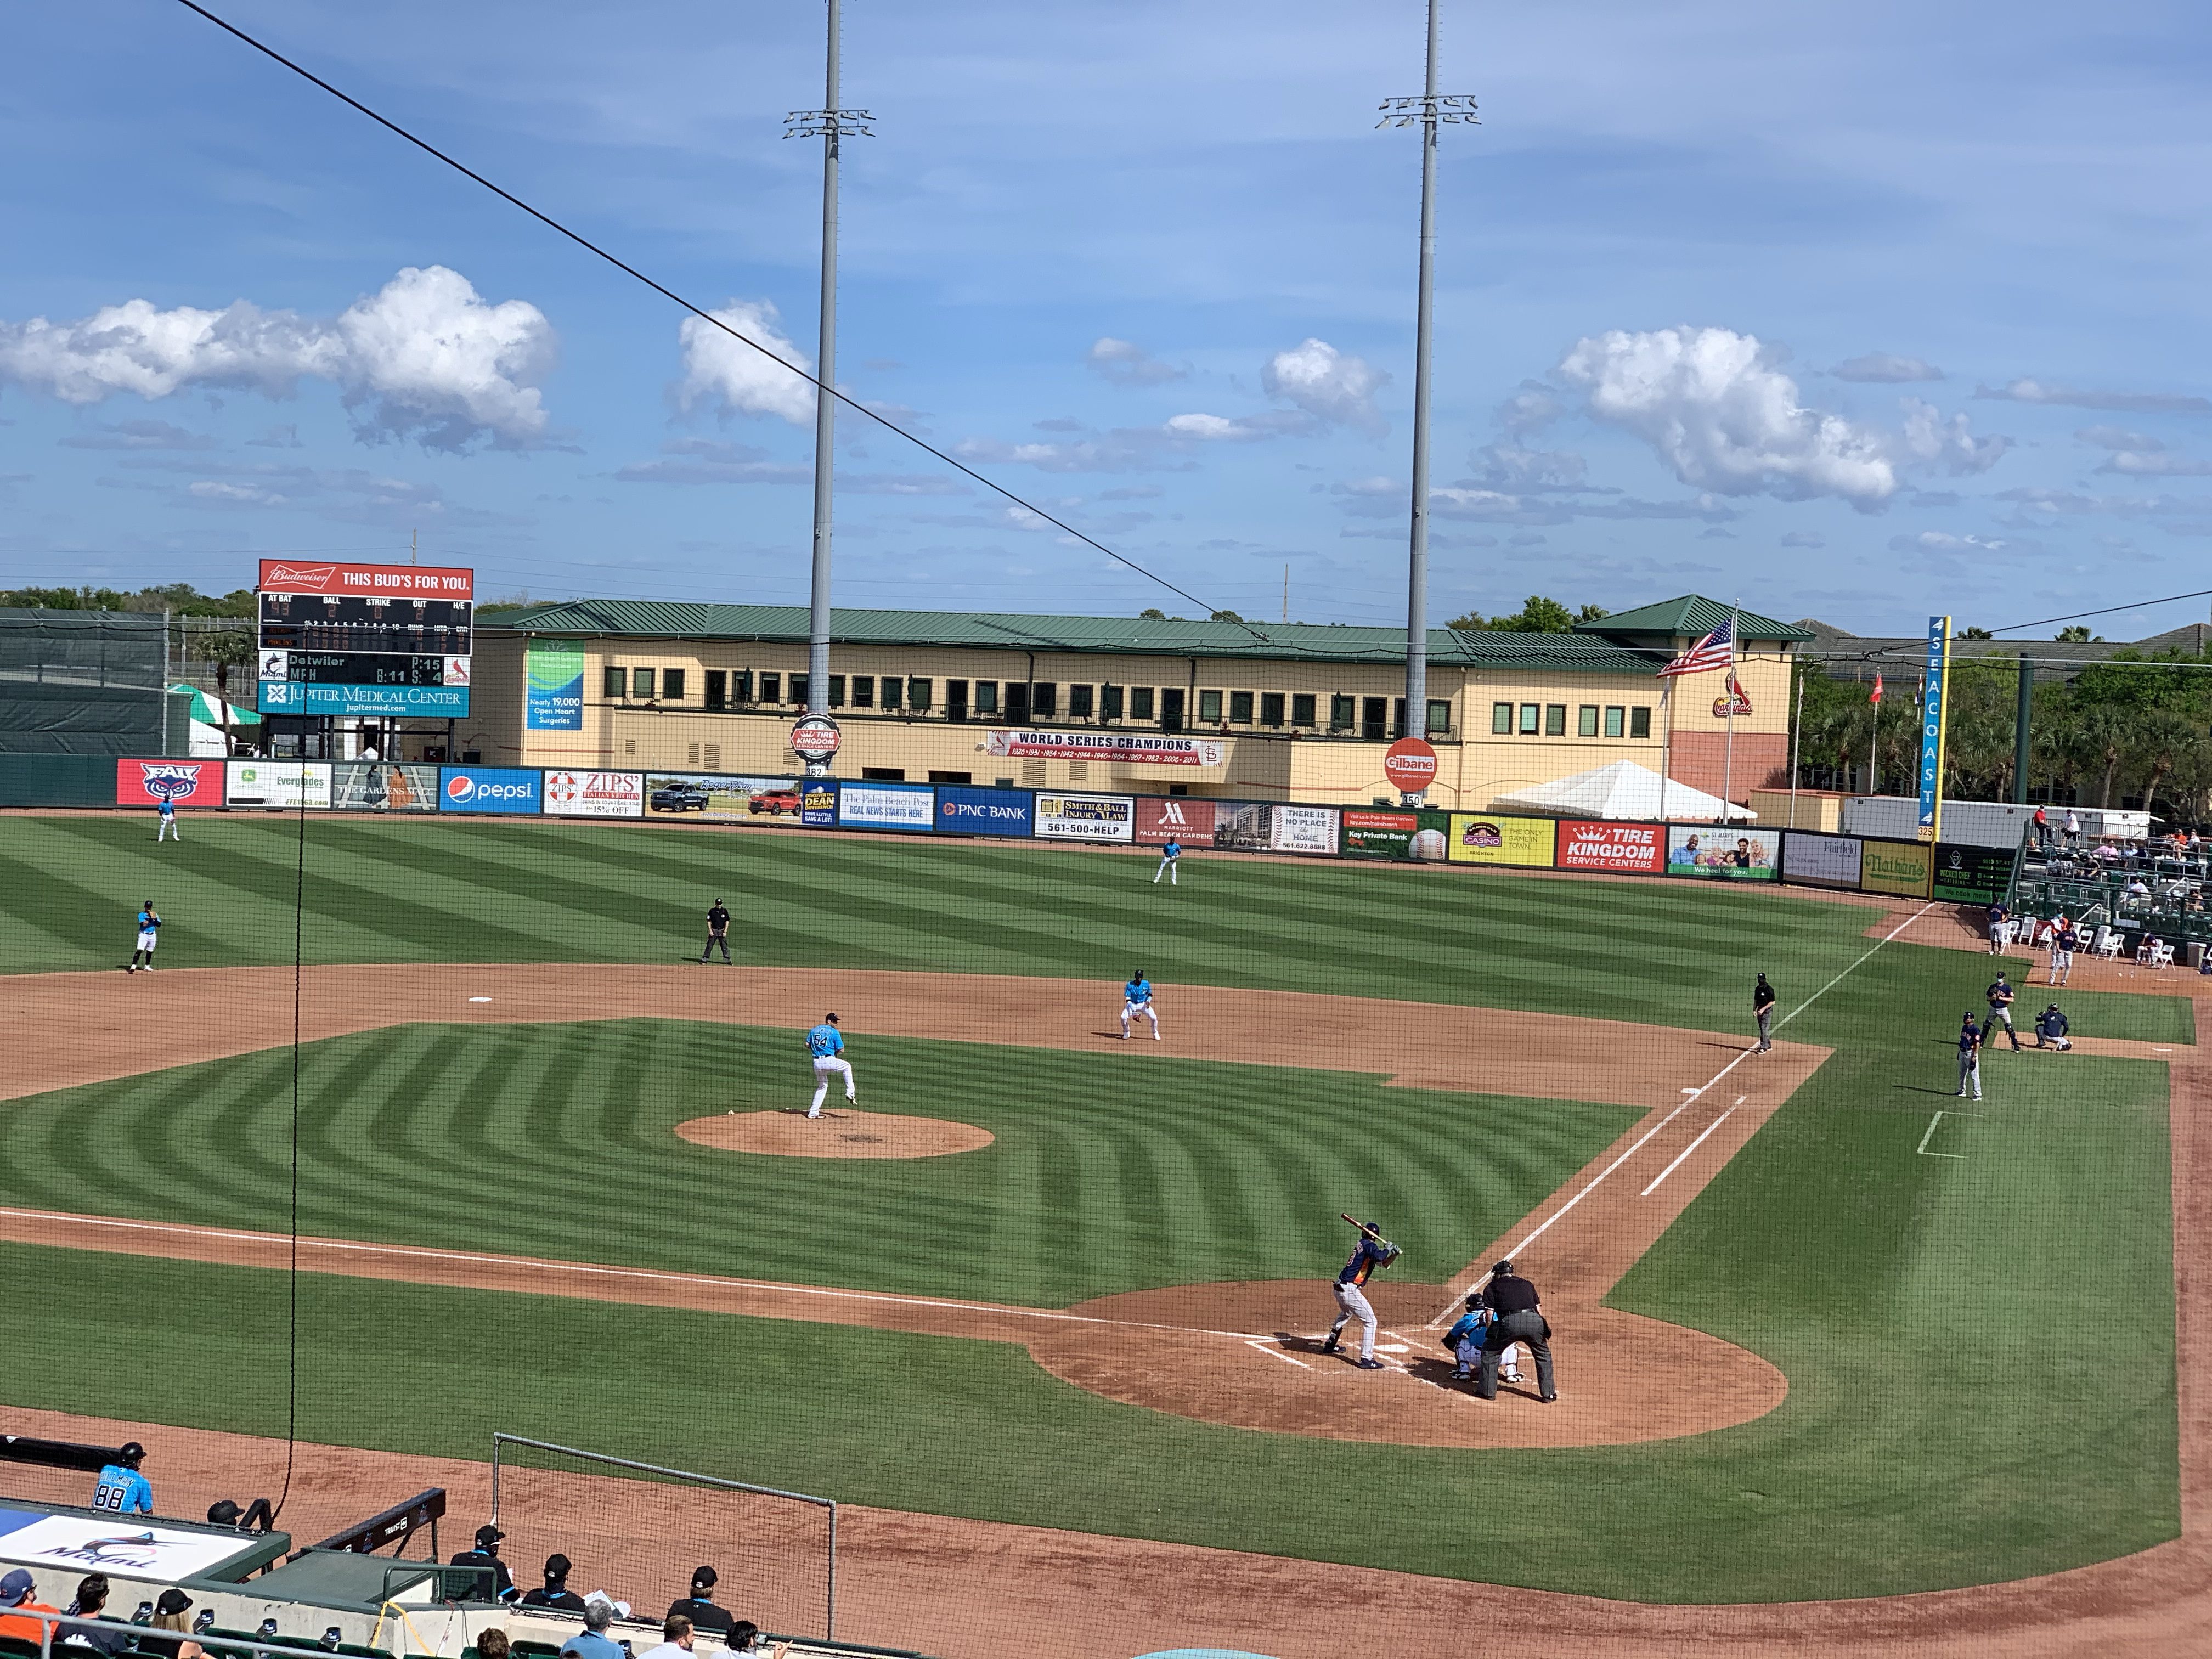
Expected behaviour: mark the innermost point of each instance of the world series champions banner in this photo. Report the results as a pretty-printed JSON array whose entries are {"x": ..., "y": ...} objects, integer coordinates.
[{"x": 1934, "y": 712}]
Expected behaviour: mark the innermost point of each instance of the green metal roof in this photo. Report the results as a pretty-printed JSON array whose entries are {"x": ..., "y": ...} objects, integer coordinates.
[
  {"x": 1110, "y": 635},
  {"x": 1690, "y": 617}
]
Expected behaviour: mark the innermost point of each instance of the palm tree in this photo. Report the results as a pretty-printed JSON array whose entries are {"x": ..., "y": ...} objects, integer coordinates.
[{"x": 233, "y": 648}]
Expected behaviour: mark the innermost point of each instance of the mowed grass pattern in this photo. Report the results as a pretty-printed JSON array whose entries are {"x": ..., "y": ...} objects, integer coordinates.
[{"x": 1109, "y": 1172}]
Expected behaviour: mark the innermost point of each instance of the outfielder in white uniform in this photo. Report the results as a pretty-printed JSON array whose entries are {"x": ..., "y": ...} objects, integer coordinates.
[
  {"x": 826, "y": 1045},
  {"x": 1137, "y": 999},
  {"x": 1170, "y": 862}
]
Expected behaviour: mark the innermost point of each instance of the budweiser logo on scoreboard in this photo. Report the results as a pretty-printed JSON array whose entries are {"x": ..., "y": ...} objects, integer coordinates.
[{"x": 387, "y": 580}]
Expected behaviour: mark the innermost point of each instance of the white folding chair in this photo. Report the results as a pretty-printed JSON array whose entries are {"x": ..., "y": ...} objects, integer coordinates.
[
  {"x": 2161, "y": 954},
  {"x": 2108, "y": 943}
]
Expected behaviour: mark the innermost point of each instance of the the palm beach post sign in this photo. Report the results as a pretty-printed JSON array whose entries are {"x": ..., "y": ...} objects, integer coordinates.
[{"x": 1934, "y": 710}]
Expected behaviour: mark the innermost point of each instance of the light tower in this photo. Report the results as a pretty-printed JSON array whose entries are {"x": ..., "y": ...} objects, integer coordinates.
[
  {"x": 830, "y": 123},
  {"x": 1428, "y": 112}
]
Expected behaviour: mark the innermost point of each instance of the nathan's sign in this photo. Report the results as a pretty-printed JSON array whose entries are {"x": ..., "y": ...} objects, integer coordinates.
[{"x": 1105, "y": 746}]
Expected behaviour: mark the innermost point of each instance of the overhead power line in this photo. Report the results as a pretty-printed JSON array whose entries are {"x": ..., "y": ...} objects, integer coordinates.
[
  {"x": 704, "y": 316},
  {"x": 2107, "y": 611}
]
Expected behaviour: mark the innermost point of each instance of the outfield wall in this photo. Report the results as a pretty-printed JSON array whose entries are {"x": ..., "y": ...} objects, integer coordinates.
[{"x": 1943, "y": 871}]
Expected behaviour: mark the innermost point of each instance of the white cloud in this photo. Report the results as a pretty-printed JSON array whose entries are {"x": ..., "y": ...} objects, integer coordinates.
[
  {"x": 424, "y": 357},
  {"x": 1127, "y": 363},
  {"x": 1715, "y": 408},
  {"x": 2155, "y": 464},
  {"x": 703, "y": 461},
  {"x": 2118, "y": 437},
  {"x": 719, "y": 369},
  {"x": 2046, "y": 392},
  {"x": 1510, "y": 466},
  {"x": 1950, "y": 444},
  {"x": 1938, "y": 541},
  {"x": 137, "y": 434},
  {"x": 1334, "y": 389},
  {"x": 1886, "y": 367}
]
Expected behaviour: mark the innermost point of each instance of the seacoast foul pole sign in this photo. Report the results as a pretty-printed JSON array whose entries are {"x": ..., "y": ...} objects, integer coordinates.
[{"x": 1934, "y": 714}]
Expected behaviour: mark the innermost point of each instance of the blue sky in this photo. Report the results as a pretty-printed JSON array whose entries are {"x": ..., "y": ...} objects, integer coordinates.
[{"x": 1856, "y": 311}]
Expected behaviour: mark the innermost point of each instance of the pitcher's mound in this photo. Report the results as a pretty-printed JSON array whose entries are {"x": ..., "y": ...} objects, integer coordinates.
[{"x": 840, "y": 1132}]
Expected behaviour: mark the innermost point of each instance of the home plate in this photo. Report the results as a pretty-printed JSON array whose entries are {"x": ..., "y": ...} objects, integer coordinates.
[
  {"x": 1392, "y": 1347},
  {"x": 479, "y": 999}
]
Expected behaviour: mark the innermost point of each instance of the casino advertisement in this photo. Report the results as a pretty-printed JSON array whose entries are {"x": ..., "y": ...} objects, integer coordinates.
[
  {"x": 150, "y": 782},
  {"x": 1723, "y": 852},
  {"x": 1482, "y": 838},
  {"x": 1405, "y": 837},
  {"x": 1591, "y": 844}
]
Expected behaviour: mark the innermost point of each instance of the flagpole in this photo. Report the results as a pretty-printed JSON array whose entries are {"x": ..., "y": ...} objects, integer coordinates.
[
  {"x": 1665, "y": 744},
  {"x": 1728, "y": 761}
]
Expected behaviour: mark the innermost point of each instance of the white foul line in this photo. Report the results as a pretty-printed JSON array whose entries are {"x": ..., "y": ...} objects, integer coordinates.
[
  {"x": 1922, "y": 1147},
  {"x": 1694, "y": 1145}
]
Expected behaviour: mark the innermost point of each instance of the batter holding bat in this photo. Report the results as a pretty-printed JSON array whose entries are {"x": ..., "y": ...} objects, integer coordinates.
[{"x": 1372, "y": 1251}]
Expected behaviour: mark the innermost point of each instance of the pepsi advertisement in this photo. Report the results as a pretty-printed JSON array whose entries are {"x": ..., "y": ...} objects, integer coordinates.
[
  {"x": 488, "y": 789},
  {"x": 962, "y": 811}
]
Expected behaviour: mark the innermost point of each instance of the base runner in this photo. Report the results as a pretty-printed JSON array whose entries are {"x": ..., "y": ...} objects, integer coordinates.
[
  {"x": 1137, "y": 999},
  {"x": 149, "y": 932},
  {"x": 826, "y": 1045},
  {"x": 1372, "y": 1251}
]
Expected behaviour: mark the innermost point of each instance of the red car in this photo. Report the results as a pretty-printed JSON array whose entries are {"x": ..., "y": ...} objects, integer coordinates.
[{"x": 776, "y": 802}]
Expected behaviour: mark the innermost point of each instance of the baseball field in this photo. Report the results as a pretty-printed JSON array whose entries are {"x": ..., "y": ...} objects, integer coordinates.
[{"x": 1824, "y": 1331}]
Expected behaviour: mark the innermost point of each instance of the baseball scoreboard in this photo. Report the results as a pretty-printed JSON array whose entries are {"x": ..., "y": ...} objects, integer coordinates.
[{"x": 373, "y": 640}]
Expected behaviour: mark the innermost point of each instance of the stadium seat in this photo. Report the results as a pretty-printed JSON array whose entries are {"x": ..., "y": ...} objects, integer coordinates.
[
  {"x": 15, "y": 1647},
  {"x": 355, "y": 1651}
]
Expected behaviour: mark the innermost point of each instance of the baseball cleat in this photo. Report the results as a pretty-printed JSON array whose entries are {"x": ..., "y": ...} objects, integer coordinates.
[
  {"x": 1329, "y": 1347},
  {"x": 1368, "y": 1364}
]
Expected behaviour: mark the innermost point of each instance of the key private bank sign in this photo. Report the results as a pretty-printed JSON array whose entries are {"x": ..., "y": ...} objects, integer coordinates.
[{"x": 373, "y": 641}]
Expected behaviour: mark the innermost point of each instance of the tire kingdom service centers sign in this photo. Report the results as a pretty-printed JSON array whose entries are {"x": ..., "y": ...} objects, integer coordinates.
[{"x": 814, "y": 739}]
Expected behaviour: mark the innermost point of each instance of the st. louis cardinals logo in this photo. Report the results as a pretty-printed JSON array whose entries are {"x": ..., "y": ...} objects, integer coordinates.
[{"x": 170, "y": 783}]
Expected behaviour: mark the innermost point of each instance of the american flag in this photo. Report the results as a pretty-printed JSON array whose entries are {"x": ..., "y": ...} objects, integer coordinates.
[{"x": 1716, "y": 650}]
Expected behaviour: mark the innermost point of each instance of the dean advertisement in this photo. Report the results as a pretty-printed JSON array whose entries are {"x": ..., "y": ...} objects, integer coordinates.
[
  {"x": 1597, "y": 844},
  {"x": 1085, "y": 817},
  {"x": 1971, "y": 875},
  {"x": 817, "y": 804},
  {"x": 1816, "y": 861},
  {"x": 966, "y": 811},
  {"x": 885, "y": 806},
  {"x": 1903, "y": 868},
  {"x": 1485, "y": 838},
  {"x": 488, "y": 789},
  {"x": 1406, "y": 837},
  {"x": 1723, "y": 852},
  {"x": 385, "y": 786},
  {"x": 720, "y": 797}
]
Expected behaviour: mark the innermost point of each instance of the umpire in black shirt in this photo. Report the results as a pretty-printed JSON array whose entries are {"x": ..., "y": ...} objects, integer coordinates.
[{"x": 1520, "y": 1319}]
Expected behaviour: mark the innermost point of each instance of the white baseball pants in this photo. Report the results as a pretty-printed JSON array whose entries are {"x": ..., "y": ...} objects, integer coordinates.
[
  {"x": 1168, "y": 868},
  {"x": 1146, "y": 1010},
  {"x": 827, "y": 1067},
  {"x": 1352, "y": 1304},
  {"x": 168, "y": 830}
]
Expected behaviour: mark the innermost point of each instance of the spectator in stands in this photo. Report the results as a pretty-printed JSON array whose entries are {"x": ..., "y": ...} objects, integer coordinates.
[
  {"x": 486, "y": 1555},
  {"x": 2042, "y": 829},
  {"x": 676, "y": 1639},
  {"x": 2050, "y": 1030},
  {"x": 121, "y": 1489},
  {"x": 556, "y": 1592},
  {"x": 743, "y": 1637},
  {"x": 15, "y": 1594},
  {"x": 87, "y": 1628},
  {"x": 592, "y": 1641},
  {"x": 699, "y": 1606},
  {"x": 171, "y": 1614},
  {"x": 492, "y": 1644}
]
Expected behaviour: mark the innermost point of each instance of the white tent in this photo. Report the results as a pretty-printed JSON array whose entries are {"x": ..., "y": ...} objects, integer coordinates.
[{"x": 1622, "y": 790}]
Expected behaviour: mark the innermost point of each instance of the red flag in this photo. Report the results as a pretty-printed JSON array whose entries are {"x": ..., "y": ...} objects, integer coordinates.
[{"x": 1876, "y": 698}]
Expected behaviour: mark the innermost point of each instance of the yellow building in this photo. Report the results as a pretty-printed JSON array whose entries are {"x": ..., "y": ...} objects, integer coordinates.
[{"x": 1286, "y": 711}]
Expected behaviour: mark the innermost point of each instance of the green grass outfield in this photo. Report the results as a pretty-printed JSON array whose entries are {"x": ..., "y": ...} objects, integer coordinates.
[{"x": 1950, "y": 1421}]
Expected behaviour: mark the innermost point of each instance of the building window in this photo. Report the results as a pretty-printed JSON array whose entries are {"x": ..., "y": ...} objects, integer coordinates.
[
  {"x": 1240, "y": 709},
  {"x": 1614, "y": 717},
  {"x": 920, "y": 694},
  {"x": 1044, "y": 700},
  {"x": 864, "y": 690},
  {"x": 641, "y": 682},
  {"x": 1398, "y": 717},
  {"x": 955, "y": 699},
  {"x": 953, "y": 777},
  {"x": 1501, "y": 718},
  {"x": 741, "y": 686},
  {"x": 771, "y": 688},
  {"x": 986, "y": 696},
  {"x": 1109, "y": 702},
  {"x": 893, "y": 690},
  {"x": 1033, "y": 772},
  {"x": 837, "y": 690},
  {"x": 718, "y": 689},
  {"x": 714, "y": 757},
  {"x": 1586, "y": 721},
  {"x": 799, "y": 684},
  {"x": 1531, "y": 714},
  {"x": 1140, "y": 702},
  {"x": 1639, "y": 722},
  {"x": 672, "y": 685},
  {"x": 1342, "y": 712},
  {"x": 1171, "y": 708},
  {"x": 1555, "y": 719},
  {"x": 694, "y": 758},
  {"x": 1018, "y": 701},
  {"x": 1439, "y": 714},
  {"x": 1079, "y": 701},
  {"x": 616, "y": 683},
  {"x": 1271, "y": 708},
  {"x": 884, "y": 773},
  {"x": 1374, "y": 718},
  {"x": 1209, "y": 709},
  {"x": 1302, "y": 708}
]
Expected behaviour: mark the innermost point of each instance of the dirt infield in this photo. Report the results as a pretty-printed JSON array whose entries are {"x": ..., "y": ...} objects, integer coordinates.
[{"x": 845, "y": 1131}]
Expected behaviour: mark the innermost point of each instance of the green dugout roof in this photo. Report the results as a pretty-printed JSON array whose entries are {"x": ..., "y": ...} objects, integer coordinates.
[
  {"x": 652, "y": 619},
  {"x": 1692, "y": 617}
]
